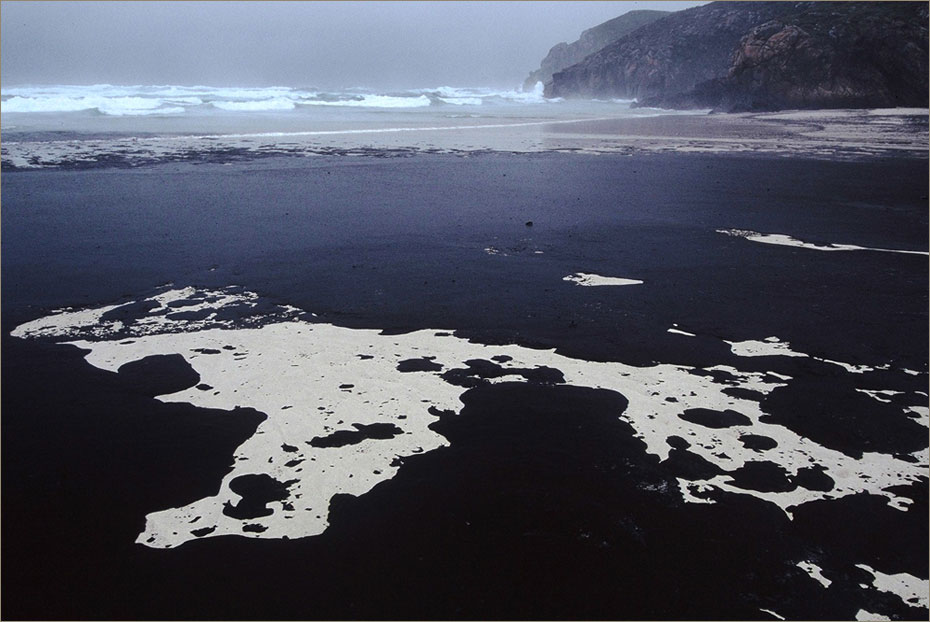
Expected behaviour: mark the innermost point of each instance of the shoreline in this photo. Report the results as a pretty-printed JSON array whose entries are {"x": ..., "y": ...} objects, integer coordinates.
[{"x": 823, "y": 134}]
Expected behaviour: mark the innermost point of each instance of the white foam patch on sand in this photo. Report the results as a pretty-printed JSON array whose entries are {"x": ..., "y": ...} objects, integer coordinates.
[
  {"x": 770, "y": 346},
  {"x": 595, "y": 280},
  {"x": 781, "y": 239},
  {"x": 856, "y": 369},
  {"x": 911, "y": 590},
  {"x": 694, "y": 492},
  {"x": 310, "y": 381},
  {"x": 867, "y": 616},
  {"x": 773, "y": 346},
  {"x": 67, "y": 319},
  {"x": 922, "y": 412},
  {"x": 879, "y": 395},
  {"x": 314, "y": 379},
  {"x": 815, "y": 572},
  {"x": 779, "y": 376}
]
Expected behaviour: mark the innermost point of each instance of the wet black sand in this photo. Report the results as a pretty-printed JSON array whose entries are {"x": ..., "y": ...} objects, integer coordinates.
[{"x": 544, "y": 506}]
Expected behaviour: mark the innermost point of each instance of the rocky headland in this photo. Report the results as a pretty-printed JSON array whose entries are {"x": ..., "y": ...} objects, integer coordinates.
[
  {"x": 756, "y": 56},
  {"x": 563, "y": 55}
]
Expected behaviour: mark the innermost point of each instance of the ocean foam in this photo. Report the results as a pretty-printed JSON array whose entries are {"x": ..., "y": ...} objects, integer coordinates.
[
  {"x": 313, "y": 379},
  {"x": 879, "y": 395},
  {"x": 462, "y": 101},
  {"x": 371, "y": 101},
  {"x": 770, "y": 346},
  {"x": 113, "y": 106},
  {"x": 781, "y": 239},
  {"x": 911, "y": 590},
  {"x": 815, "y": 572},
  {"x": 278, "y": 103},
  {"x": 855, "y": 369},
  {"x": 118, "y": 100},
  {"x": 596, "y": 280},
  {"x": 677, "y": 331},
  {"x": 19, "y": 103},
  {"x": 478, "y": 96}
]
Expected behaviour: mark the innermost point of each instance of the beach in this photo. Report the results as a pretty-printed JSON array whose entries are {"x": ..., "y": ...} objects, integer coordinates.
[
  {"x": 597, "y": 367},
  {"x": 598, "y": 128}
]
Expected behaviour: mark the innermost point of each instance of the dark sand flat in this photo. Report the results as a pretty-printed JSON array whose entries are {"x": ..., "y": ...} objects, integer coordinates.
[{"x": 545, "y": 504}]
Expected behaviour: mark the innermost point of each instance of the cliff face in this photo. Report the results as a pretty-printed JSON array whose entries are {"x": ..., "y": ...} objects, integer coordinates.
[
  {"x": 858, "y": 56},
  {"x": 564, "y": 55},
  {"x": 671, "y": 55},
  {"x": 765, "y": 56}
]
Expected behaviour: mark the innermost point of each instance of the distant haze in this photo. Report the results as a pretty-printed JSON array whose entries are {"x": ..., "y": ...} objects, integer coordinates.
[{"x": 380, "y": 45}]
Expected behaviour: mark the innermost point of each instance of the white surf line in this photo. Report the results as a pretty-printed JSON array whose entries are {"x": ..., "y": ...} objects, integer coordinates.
[
  {"x": 378, "y": 130},
  {"x": 769, "y": 611},
  {"x": 911, "y": 590},
  {"x": 389, "y": 130},
  {"x": 815, "y": 572},
  {"x": 314, "y": 379},
  {"x": 781, "y": 239},
  {"x": 596, "y": 280}
]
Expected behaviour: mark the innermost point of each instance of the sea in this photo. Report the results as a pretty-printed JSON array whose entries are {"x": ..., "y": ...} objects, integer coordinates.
[
  {"x": 67, "y": 124},
  {"x": 176, "y": 109}
]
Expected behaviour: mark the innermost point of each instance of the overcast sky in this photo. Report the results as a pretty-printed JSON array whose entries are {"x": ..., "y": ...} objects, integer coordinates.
[{"x": 324, "y": 44}]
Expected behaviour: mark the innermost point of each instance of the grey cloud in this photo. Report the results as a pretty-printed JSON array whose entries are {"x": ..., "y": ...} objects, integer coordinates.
[{"x": 328, "y": 44}]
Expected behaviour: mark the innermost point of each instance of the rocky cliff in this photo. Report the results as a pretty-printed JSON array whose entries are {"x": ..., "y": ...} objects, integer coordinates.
[
  {"x": 564, "y": 55},
  {"x": 765, "y": 56}
]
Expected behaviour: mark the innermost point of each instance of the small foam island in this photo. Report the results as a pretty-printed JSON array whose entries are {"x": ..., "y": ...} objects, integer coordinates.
[
  {"x": 780, "y": 239},
  {"x": 594, "y": 280}
]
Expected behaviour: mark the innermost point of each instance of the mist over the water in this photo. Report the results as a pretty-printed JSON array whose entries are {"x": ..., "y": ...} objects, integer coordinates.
[{"x": 381, "y": 45}]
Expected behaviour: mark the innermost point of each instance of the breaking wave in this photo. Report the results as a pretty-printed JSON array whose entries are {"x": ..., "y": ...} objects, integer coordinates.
[{"x": 117, "y": 100}]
